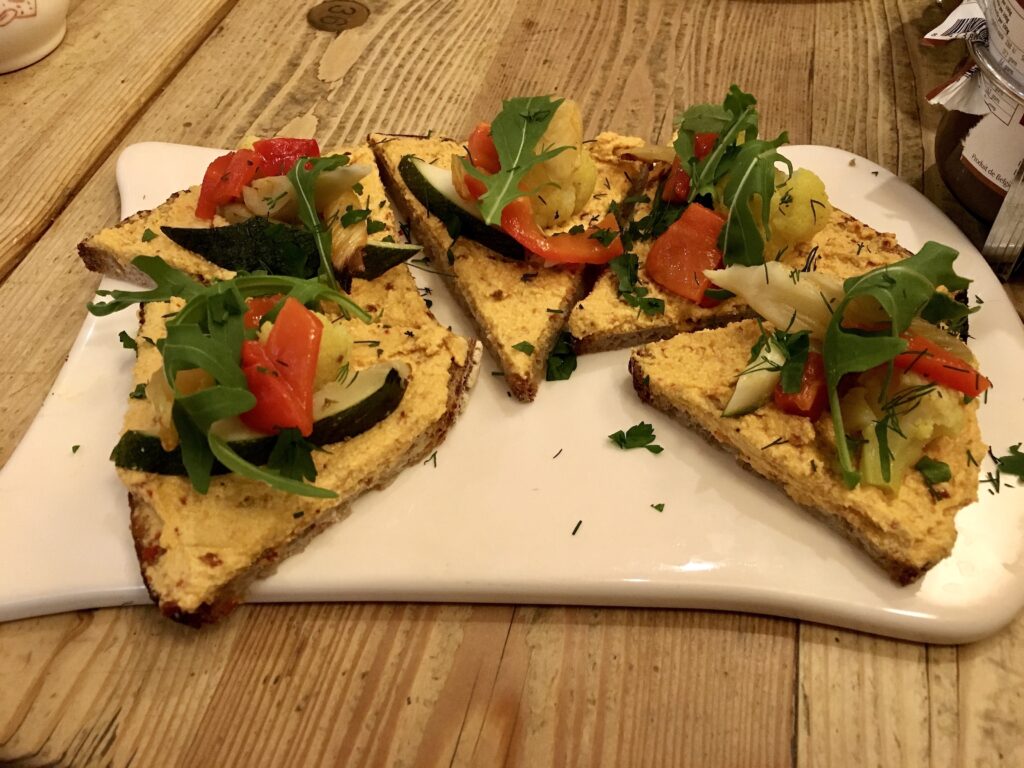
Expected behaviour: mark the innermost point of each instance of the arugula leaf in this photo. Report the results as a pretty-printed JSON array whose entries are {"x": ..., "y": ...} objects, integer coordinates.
[
  {"x": 562, "y": 360},
  {"x": 901, "y": 290},
  {"x": 934, "y": 471},
  {"x": 735, "y": 119},
  {"x": 303, "y": 176},
  {"x": 1013, "y": 462},
  {"x": 170, "y": 282},
  {"x": 525, "y": 347},
  {"x": 638, "y": 436},
  {"x": 207, "y": 333},
  {"x": 226, "y": 456},
  {"x": 516, "y": 131},
  {"x": 753, "y": 173}
]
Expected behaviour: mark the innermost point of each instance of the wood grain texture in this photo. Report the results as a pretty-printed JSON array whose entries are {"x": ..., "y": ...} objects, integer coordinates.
[
  {"x": 399, "y": 685},
  {"x": 63, "y": 116},
  {"x": 472, "y": 685}
]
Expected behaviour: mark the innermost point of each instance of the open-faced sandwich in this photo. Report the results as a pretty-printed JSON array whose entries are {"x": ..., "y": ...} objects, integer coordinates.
[
  {"x": 856, "y": 397},
  {"x": 513, "y": 218},
  {"x": 717, "y": 197},
  {"x": 265, "y": 399}
]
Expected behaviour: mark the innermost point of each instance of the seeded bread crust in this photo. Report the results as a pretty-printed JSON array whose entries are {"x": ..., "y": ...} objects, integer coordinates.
[
  {"x": 905, "y": 533},
  {"x": 510, "y": 301}
]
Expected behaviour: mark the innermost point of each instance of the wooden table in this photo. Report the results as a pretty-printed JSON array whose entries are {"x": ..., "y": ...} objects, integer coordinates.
[{"x": 450, "y": 684}]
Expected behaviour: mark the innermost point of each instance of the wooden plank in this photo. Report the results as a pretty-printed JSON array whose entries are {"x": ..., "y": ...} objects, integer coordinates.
[
  {"x": 991, "y": 701},
  {"x": 394, "y": 684},
  {"x": 588, "y": 686},
  {"x": 63, "y": 115},
  {"x": 862, "y": 700}
]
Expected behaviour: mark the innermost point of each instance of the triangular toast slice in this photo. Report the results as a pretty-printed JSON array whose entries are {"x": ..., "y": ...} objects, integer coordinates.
[
  {"x": 602, "y": 321},
  {"x": 691, "y": 378},
  {"x": 519, "y": 307},
  {"x": 111, "y": 250},
  {"x": 198, "y": 553}
]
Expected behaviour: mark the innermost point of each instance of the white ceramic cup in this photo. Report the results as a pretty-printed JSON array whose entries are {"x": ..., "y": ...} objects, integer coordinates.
[{"x": 29, "y": 30}]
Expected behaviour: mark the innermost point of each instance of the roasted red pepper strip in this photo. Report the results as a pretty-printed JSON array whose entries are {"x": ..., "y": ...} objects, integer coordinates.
[
  {"x": 940, "y": 366},
  {"x": 224, "y": 180},
  {"x": 677, "y": 184},
  {"x": 689, "y": 246},
  {"x": 281, "y": 373},
  {"x": 517, "y": 221},
  {"x": 279, "y": 155},
  {"x": 811, "y": 399}
]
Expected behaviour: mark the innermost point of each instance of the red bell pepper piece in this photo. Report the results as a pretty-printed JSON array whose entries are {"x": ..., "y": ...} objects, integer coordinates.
[
  {"x": 677, "y": 184},
  {"x": 812, "y": 397},
  {"x": 689, "y": 246},
  {"x": 224, "y": 180},
  {"x": 517, "y": 221},
  {"x": 279, "y": 155},
  {"x": 940, "y": 366},
  {"x": 281, "y": 373}
]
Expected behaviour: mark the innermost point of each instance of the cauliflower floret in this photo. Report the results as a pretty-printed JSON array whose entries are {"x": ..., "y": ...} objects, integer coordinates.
[
  {"x": 564, "y": 183},
  {"x": 921, "y": 419},
  {"x": 800, "y": 209}
]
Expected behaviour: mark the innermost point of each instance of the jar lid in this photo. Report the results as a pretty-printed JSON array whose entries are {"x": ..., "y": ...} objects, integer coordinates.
[{"x": 994, "y": 72}]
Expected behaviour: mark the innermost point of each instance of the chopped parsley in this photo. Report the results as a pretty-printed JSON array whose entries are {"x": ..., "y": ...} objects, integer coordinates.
[
  {"x": 74, "y": 448},
  {"x": 525, "y": 347},
  {"x": 1013, "y": 462},
  {"x": 933, "y": 471},
  {"x": 626, "y": 268},
  {"x": 148, "y": 235},
  {"x": 638, "y": 436},
  {"x": 127, "y": 341},
  {"x": 660, "y": 507},
  {"x": 562, "y": 360},
  {"x": 139, "y": 393}
]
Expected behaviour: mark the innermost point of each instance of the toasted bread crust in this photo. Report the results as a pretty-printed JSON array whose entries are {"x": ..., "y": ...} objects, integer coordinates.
[{"x": 905, "y": 533}]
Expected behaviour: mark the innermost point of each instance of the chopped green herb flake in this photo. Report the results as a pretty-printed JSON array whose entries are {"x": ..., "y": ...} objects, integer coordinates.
[
  {"x": 562, "y": 360},
  {"x": 139, "y": 393},
  {"x": 74, "y": 448},
  {"x": 525, "y": 347},
  {"x": 660, "y": 507},
  {"x": 1013, "y": 462},
  {"x": 127, "y": 341},
  {"x": 933, "y": 471},
  {"x": 148, "y": 235},
  {"x": 638, "y": 436}
]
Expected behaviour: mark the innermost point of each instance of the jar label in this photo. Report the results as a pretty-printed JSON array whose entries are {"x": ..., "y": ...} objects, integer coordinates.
[{"x": 994, "y": 149}]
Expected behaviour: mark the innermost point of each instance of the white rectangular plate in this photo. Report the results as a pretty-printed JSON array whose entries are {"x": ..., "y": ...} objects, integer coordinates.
[{"x": 533, "y": 503}]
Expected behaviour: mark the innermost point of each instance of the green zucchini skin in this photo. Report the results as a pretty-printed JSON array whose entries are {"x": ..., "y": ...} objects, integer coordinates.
[
  {"x": 379, "y": 257},
  {"x": 142, "y": 450},
  {"x": 455, "y": 216},
  {"x": 254, "y": 245}
]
